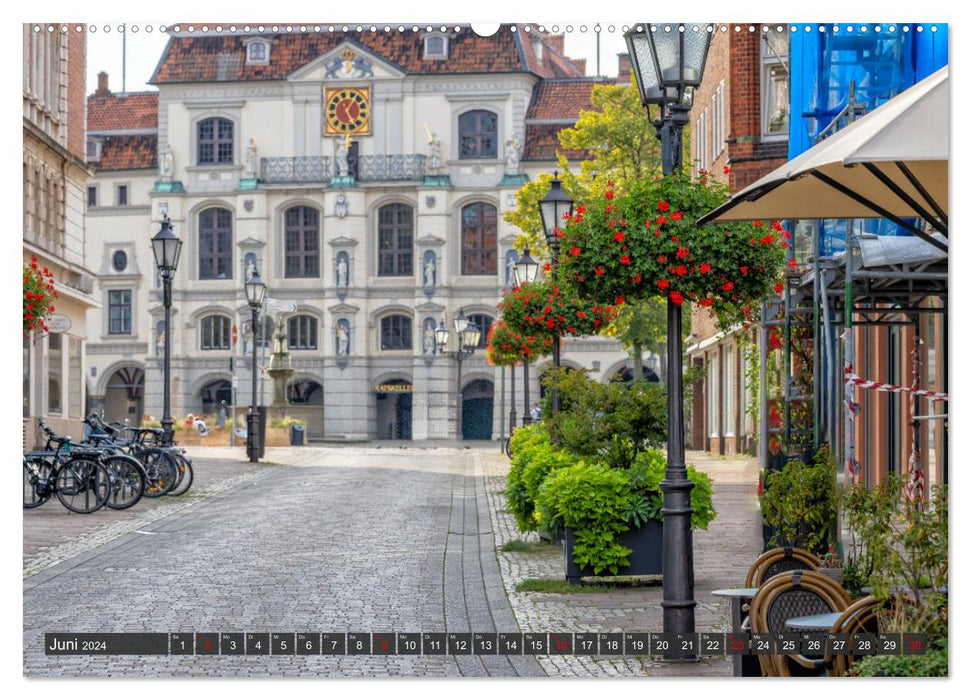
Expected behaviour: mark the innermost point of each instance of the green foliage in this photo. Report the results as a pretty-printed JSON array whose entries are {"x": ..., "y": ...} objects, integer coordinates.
[
  {"x": 594, "y": 500},
  {"x": 799, "y": 501},
  {"x": 287, "y": 422},
  {"x": 646, "y": 475},
  {"x": 549, "y": 585},
  {"x": 932, "y": 663},
  {"x": 906, "y": 544},
  {"x": 607, "y": 422},
  {"x": 533, "y": 457}
]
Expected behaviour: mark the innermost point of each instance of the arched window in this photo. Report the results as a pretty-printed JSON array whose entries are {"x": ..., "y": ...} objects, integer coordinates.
[
  {"x": 215, "y": 331},
  {"x": 395, "y": 240},
  {"x": 215, "y": 143},
  {"x": 477, "y": 134},
  {"x": 302, "y": 333},
  {"x": 479, "y": 239},
  {"x": 301, "y": 232},
  {"x": 396, "y": 332},
  {"x": 216, "y": 244},
  {"x": 483, "y": 322}
]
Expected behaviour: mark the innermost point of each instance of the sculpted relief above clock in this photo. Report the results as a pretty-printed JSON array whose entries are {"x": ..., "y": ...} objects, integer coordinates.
[{"x": 347, "y": 110}]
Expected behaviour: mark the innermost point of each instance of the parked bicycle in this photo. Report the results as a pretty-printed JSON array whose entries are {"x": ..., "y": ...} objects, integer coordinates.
[{"x": 76, "y": 475}]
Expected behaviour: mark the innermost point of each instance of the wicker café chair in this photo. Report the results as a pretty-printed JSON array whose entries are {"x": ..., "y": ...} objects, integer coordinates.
[
  {"x": 865, "y": 615},
  {"x": 794, "y": 594},
  {"x": 777, "y": 561}
]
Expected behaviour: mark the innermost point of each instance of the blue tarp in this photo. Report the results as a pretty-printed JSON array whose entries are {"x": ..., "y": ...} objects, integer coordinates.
[{"x": 879, "y": 62}]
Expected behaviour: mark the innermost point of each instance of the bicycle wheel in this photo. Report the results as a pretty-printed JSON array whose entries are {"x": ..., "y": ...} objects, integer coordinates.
[
  {"x": 160, "y": 472},
  {"x": 127, "y": 481},
  {"x": 507, "y": 448},
  {"x": 37, "y": 488},
  {"x": 184, "y": 480},
  {"x": 82, "y": 485}
]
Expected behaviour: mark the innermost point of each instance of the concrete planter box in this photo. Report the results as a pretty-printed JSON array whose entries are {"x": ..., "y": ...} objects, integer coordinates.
[{"x": 645, "y": 559}]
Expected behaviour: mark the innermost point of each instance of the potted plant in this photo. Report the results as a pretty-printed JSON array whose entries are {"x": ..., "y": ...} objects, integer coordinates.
[{"x": 612, "y": 517}]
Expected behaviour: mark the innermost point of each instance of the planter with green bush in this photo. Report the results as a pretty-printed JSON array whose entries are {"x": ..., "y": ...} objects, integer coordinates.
[{"x": 799, "y": 503}]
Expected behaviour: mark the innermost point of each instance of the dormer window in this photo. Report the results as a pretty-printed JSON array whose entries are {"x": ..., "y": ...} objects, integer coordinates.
[
  {"x": 258, "y": 51},
  {"x": 436, "y": 46},
  {"x": 93, "y": 150}
]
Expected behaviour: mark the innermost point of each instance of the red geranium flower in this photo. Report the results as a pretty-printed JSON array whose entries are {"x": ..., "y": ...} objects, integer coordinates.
[
  {"x": 661, "y": 220},
  {"x": 744, "y": 269},
  {"x": 758, "y": 223},
  {"x": 682, "y": 270},
  {"x": 619, "y": 237},
  {"x": 676, "y": 298},
  {"x": 663, "y": 206},
  {"x": 662, "y": 259},
  {"x": 677, "y": 216},
  {"x": 609, "y": 194},
  {"x": 778, "y": 287},
  {"x": 663, "y": 284},
  {"x": 705, "y": 268},
  {"x": 728, "y": 286},
  {"x": 625, "y": 260},
  {"x": 705, "y": 302},
  {"x": 574, "y": 251},
  {"x": 727, "y": 170},
  {"x": 599, "y": 270},
  {"x": 682, "y": 252}
]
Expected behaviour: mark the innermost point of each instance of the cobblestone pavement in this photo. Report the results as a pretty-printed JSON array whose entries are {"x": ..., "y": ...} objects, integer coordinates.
[
  {"x": 358, "y": 538},
  {"x": 722, "y": 554},
  {"x": 346, "y": 539}
]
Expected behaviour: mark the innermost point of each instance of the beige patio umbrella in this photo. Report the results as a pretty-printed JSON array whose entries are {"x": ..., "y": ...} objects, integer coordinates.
[{"x": 891, "y": 163}]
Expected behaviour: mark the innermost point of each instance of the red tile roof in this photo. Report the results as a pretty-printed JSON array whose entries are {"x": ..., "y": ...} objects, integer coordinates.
[
  {"x": 128, "y": 153},
  {"x": 562, "y": 99},
  {"x": 542, "y": 143},
  {"x": 217, "y": 58},
  {"x": 133, "y": 110}
]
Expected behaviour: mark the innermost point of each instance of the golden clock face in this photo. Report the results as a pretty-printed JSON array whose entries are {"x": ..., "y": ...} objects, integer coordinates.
[{"x": 348, "y": 111}]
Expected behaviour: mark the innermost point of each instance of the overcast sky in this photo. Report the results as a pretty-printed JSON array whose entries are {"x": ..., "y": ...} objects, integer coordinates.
[{"x": 143, "y": 45}]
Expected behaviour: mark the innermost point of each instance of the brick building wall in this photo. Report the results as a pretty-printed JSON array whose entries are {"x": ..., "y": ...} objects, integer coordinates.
[{"x": 76, "y": 99}]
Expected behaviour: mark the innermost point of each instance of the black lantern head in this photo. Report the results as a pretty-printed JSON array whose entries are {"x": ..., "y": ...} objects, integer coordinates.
[
  {"x": 554, "y": 207},
  {"x": 669, "y": 61},
  {"x": 526, "y": 268},
  {"x": 255, "y": 290},
  {"x": 166, "y": 247},
  {"x": 441, "y": 336}
]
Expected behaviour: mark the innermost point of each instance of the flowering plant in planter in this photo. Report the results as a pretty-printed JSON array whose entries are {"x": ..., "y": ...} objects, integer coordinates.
[
  {"x": 506, "y": 346},
  {"x": 645, "y": 243},
  {"x": 39, "y": 295}
]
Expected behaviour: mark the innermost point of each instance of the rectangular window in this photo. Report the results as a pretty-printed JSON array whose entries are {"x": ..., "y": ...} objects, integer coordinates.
[
  {"x": 775, "y": 82},
  {"x": 215, "y": 333},
  {"x": 121, "y": 199},
  {"x": 55, "y": 367},
  {"x": 728, "y": 426},
  {"x": 396, "y": 333},
  {"x": 119, "y": 312},
  {"x": 302, "y": 333},
  {"x": 75, "y": 383},
  {"x": 713, "y": 396},
  {"x": 26, "y": 368},
  {"x": 92, "y": 196}
]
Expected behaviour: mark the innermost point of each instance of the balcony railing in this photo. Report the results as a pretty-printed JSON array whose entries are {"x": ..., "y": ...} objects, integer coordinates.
[
  {"x": 407, "y": 166},
  {"x": 295, "y": 169},
  {"x": 376, "y": 168}
]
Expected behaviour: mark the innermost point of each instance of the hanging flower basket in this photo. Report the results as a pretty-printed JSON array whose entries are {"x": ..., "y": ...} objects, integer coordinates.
[
  {"x": 39, "y": 295},
  {"x": 645, "y": 243}
]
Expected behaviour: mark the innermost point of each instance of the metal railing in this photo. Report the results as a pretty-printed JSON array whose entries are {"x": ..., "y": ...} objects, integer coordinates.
[
  {"x": 295, "y": 169},
  {"x": 398, "y": 166},
  {"x": 371, "y": 168}
]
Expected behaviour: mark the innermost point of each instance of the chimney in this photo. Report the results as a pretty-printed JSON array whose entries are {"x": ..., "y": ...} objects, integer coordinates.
[
  {"x": 581, "y": 65},
  {"x": 556, "y": 41},
  {"x": 623, "y": 67},
  {"x": 102, "y": 90}
]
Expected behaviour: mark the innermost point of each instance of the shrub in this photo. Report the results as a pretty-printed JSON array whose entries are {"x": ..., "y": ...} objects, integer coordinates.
[
  {"x": 931, "y": 663},
  {"x": 527, "y": 444},
  {"x": 646, "y": 475},
  {"x": 799, "y": 501},
  {"x": 287, "y": 422}
]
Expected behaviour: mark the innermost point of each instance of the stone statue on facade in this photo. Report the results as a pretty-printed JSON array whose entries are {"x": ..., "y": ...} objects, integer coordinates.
[
  {"x": 341, "y": 147},
  {"x": 166, "y": 164},
  {"x": 513, "y": 147},
  {"x": 250, "y": 170},
  {"x": 342, "y": 271},
  {"x": 429, "y": 272},
  {"x": 434, "y": 163},
  {"x": 343, "y": 339},
  {"x": 428, "y": 338}
]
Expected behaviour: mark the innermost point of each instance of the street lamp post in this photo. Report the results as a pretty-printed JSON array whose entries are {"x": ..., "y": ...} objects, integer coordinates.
[
  {"x": 166, "y": 247},
  {"x": 255, "y": 291},
  {"x": 468, "y": 336},
  {"x": 553, "y": 208},
  {"x": 525, "y": 271},
  {"x": 668, "y": 62}
]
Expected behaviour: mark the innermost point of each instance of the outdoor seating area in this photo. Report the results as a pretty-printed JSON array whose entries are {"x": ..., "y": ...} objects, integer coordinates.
[{"x": 786, "y": 597}]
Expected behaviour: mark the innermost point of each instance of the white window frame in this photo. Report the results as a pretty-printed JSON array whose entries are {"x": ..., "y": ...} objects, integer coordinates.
[
  {"x": 713, "y": 403},
  {"x": 435, "y": 55},
  {"x": 768, "y": 61},
  {"x": 266, "y": 52},
  {"x": 718, "y": 122}
]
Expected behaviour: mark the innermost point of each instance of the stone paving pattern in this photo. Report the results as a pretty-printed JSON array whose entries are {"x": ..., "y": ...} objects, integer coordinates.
[{"x": 356, "y": 539}]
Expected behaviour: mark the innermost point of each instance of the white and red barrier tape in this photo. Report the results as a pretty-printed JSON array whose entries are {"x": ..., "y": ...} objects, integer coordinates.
[{"x": 851, "y": 378}]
